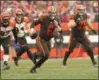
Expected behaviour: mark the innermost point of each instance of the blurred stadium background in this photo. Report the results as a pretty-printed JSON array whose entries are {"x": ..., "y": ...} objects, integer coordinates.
[{"x": 32, "y": 9}]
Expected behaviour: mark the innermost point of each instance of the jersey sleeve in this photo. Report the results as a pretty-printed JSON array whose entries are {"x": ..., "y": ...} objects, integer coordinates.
[{"x": 26, "y": 20}]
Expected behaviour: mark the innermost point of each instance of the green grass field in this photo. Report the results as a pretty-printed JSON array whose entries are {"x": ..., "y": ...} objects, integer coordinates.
[{"x": 53, "y": 69}]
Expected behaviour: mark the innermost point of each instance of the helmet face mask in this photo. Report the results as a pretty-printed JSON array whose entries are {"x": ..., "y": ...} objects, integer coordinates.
[
  {"x": 52, "y": 15},
  {"x": 52, "y": 12},
  {"x": 5, "y": 22},
  {"x": 19, "y": 18},
  {"x": 19, "y": 15},
  {"x": 81, "y": 10}
]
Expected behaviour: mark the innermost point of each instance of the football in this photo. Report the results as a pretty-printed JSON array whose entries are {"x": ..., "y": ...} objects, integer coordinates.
[{"x": 33, "y": 36}]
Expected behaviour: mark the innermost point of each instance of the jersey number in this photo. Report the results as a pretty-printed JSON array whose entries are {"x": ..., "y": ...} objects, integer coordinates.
[{"x": 50, "y": 30}]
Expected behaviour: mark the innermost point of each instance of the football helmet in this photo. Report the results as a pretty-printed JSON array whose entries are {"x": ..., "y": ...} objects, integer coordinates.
[
  {"x": 5, "y": 19},
  {"x": 19, "y": 15},
  {"x": 52, "y": 12}
]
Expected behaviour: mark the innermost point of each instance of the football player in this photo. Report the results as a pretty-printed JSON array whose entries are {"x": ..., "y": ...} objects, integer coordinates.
[
  {"x": 6, "y": 26},
  {"x": 48, "y": 23},
  {"x": 78, "y": 25},
  {"x": 20, "y": 34}
]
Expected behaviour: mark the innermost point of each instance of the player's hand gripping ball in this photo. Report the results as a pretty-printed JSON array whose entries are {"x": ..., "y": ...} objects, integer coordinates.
[{"x": 33, "y": 34}]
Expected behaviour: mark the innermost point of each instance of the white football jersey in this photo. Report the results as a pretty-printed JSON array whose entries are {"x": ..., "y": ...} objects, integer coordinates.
[
  {"x": 21, "y": 31},
  {"x": 5, "y": 32}
]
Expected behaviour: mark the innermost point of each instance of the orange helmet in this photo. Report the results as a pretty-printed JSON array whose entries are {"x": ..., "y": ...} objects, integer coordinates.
[{"x": 4, "y": 15}]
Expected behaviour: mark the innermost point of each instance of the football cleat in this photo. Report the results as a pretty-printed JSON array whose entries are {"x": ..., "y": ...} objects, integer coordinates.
[
  {"x": 15, "y": 60},
  {"x": 64, "y": 63},
  {"x": 5, "y": 66},
  {"x": 95, "y": 64},
  {"x": 33, "y": 70}
]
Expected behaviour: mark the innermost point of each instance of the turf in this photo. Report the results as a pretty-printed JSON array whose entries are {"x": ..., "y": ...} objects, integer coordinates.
[{"x": 53, "y": 69}]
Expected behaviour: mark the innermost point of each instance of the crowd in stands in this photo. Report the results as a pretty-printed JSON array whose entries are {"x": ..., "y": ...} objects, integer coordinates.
[{"x": 64, "y": 8}]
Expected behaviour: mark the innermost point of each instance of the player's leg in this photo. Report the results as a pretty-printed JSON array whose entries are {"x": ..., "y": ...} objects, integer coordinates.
[
  {"x": 31, "y": 55},
  {"x": 19, "y": 51},
  {"x": 5, "y": 45},
  {"x": 23, "y": 48},
  {"x": 60, "y": 48},
  {"x": 72, "y": 45},
  {"x": 88, "y": 50},
  {"x": 44, "y": 48},
  {"x": 55, "y": 45}
]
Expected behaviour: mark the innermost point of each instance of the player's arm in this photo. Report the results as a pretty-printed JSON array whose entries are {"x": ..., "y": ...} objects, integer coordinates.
[
  {"x": 14, "y": 29},
  {"x": 27, "y": 25},
  {"x": 34, "y": 23},
  {"x": 72, "y": 22},
  {"x": 37, "y": 21},
  {"x": 89, "y": 24},
  {"x": 57, "y": 25}
]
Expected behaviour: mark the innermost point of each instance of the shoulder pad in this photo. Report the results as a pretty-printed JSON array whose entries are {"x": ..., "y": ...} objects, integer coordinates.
[
  {"x": 26, "y": 20},
  {"x": 12, "y": 23}
]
